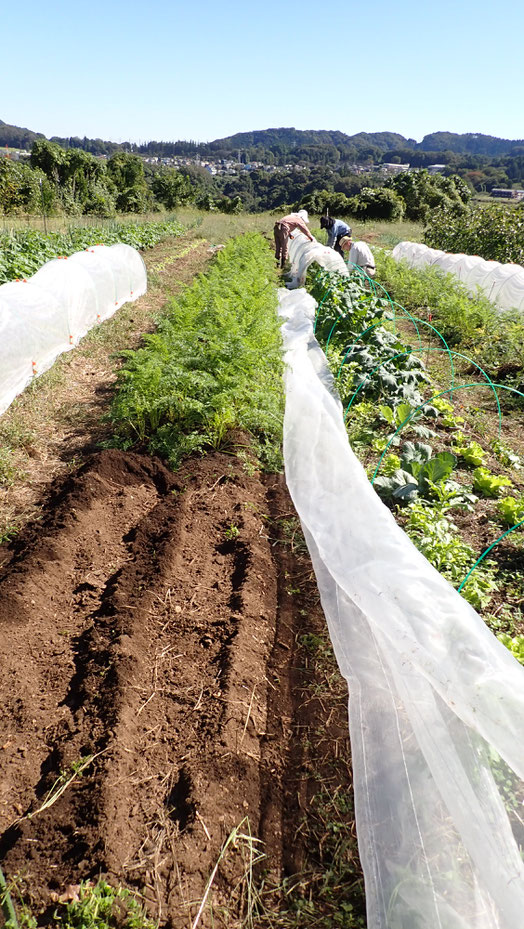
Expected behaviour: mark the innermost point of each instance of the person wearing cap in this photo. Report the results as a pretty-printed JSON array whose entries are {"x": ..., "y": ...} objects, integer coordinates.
[
  {"x": 336, "y": 228},
  {"x": 360, "y": 255},
  {"x": 293, "y": 222}
]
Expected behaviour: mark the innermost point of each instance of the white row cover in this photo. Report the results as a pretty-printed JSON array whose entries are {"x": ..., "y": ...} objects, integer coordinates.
[
  {"x": 302, "y": 253},
  {"x": 503, "y": 284},
  {"x": 436, "y": 701},
  {"x": 48, "y": 313}
]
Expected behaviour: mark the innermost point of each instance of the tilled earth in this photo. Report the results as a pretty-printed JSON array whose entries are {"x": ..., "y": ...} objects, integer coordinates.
[
  {"x": 148, "y": 684},
  {"x": 165, "y": 717}
]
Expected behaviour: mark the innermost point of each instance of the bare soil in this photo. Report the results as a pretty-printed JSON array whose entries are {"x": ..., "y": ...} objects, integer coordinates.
[
  {"x": 154, "y": 686},
  {"x": 145, "y": 628}
]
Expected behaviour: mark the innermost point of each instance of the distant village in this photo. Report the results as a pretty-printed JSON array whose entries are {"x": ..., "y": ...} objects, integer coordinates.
[
  {"x": 232, "y": 167},
  {"x": 225, "y": 166}
]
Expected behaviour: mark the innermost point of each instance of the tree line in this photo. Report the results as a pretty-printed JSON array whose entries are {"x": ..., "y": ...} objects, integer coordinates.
[{"x": 74, "y": 182}]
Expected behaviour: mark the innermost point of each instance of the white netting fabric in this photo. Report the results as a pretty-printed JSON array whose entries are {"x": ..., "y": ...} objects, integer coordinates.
[
  {"x": 503, "y": 284},
  {"x": 436, "y": 701},
  {"x": 302, "y": 253},
  {"x": 50, "y": 312}
]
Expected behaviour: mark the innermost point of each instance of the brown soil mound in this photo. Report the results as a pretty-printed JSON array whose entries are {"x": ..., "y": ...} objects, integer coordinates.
[{"x": 147, "y": 628}]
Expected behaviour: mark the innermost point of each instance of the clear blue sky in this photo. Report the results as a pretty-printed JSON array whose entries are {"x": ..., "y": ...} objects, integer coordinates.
[{"x": 202, "y": 70}]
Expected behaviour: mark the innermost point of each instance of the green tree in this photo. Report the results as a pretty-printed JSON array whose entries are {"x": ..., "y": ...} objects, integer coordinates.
[
  {"x": 50, "y": 158},
  {"x": 423, "y": 192},
  {"x": 126, "y": 172},
  {"x": 378, "y": 203},
  {"x": 22, "y": 189}
]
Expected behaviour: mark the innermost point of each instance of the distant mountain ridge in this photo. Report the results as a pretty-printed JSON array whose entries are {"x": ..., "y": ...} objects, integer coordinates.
[
  {"x": 292, "y": 138},
  {"x": 17, "y": 137},
  {"x": 288, "y": 138}
]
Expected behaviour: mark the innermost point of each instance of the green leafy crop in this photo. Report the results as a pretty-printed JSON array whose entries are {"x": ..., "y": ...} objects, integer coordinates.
[
  {"x": 419, "y": 471},
  {"x": 511, "y": 510},
  {"x": 213, "y": 366},
  {"x": 436, "y": 537},
  {"x": 472, "y": 453},
  {"x": 515, "y": 644},
  {"x": 23, "y": 253},
  {"x": 488, "y": 484}
]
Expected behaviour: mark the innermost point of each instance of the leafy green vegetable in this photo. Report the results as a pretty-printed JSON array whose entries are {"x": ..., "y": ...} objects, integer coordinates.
[
  {"x": 23, "y": 253},
  {"x": 515, "y": 644},
  {"x": 473, "y": 453},
  {"x": 488, "y": 484},
  {"x": 436, "y": 537},
  {"x": 511, "y": 510}
]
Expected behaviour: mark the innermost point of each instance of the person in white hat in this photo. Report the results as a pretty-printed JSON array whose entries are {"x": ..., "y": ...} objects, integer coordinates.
[
  {"x": 360, "y": 254},
  {"x": 283, "y": 229}
]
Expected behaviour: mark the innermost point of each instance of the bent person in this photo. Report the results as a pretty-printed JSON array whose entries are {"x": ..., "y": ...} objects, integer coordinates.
[
  {"x": 360, "y": 255},
  {"x": 283, "y": 229},
  {"x": 336, "y": 230}
]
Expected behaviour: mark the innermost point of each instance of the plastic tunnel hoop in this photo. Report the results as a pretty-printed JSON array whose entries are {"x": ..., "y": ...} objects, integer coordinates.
[
  {"x": 486, "y": 552},
  {"x": 378, "y": 323},
  {"x": 383, "y": 362},
  {"x": 362, "y": 273},
  {"x": 459, "y": 354},
  {"x": 351, "y": 347},
  {"x": 392, "y": 302},
  {"x": 449, "y": 390},
  {"x": 430, "y": 685},
  {"x": 328, "y": 291},
  {"x": 417, "y": 319},
  {"x": 332, "y": 330},
  {"x": 392, "y": 305},
  {"x": 414, "y": 320},
  {"x": 330, "y": 288}
]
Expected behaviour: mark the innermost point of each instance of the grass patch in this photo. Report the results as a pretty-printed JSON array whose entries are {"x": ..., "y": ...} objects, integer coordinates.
[
  {"x": 82, "y": 906},
  {"x": 218, "y": 228}
]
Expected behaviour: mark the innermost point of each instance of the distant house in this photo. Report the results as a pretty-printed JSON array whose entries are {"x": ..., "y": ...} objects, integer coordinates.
[
  {"x": 436, "y": 169},
  {"x": 506, "y": 192},
  {"x": 393, "y": 169}
]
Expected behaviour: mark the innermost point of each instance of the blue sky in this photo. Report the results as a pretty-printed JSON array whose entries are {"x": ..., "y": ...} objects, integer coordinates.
[{"x": 170, "y": 70}]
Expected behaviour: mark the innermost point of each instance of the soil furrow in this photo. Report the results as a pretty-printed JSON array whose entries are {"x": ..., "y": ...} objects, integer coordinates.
[{"x": 162, "y": 657}]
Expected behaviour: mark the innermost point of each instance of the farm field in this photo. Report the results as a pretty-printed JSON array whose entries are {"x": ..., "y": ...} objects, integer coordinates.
[
  {"x": 174, "y": 721},
  {"x": 168, "y": 687}
]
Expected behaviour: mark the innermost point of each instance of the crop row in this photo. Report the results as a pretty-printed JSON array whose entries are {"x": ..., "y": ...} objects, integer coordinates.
[
  {"x": 472, "y": 325},
  {"x": 432, "y": 466},
  {"x": 22, "y": 253},
  {"x": 213, "y": 365}
]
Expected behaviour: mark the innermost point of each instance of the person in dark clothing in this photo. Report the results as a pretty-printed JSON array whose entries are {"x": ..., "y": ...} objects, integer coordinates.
[{"x": 336, "y": 228}]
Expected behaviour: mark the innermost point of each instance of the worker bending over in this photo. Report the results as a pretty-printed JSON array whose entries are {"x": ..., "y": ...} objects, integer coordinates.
[
  {"x": 360, "y": 254},
  {"x": 336, "y": 229},
  {"x": 283, "y": 229}
]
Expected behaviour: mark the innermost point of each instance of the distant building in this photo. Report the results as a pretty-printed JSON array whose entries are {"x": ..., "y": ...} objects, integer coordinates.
[
  {"x": 393, "y": 169},
  {"x": 436, "y": 169},
  {"x": 506, "y": 193}
]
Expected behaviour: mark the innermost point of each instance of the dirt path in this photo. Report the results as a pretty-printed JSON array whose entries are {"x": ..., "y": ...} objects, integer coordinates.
[
  {"x": 51, "y": 428},
  {"x": 156, "y": 665}
]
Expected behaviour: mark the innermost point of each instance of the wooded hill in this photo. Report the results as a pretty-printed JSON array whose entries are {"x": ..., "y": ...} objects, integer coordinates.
[{"x": 282, "y": 144}]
